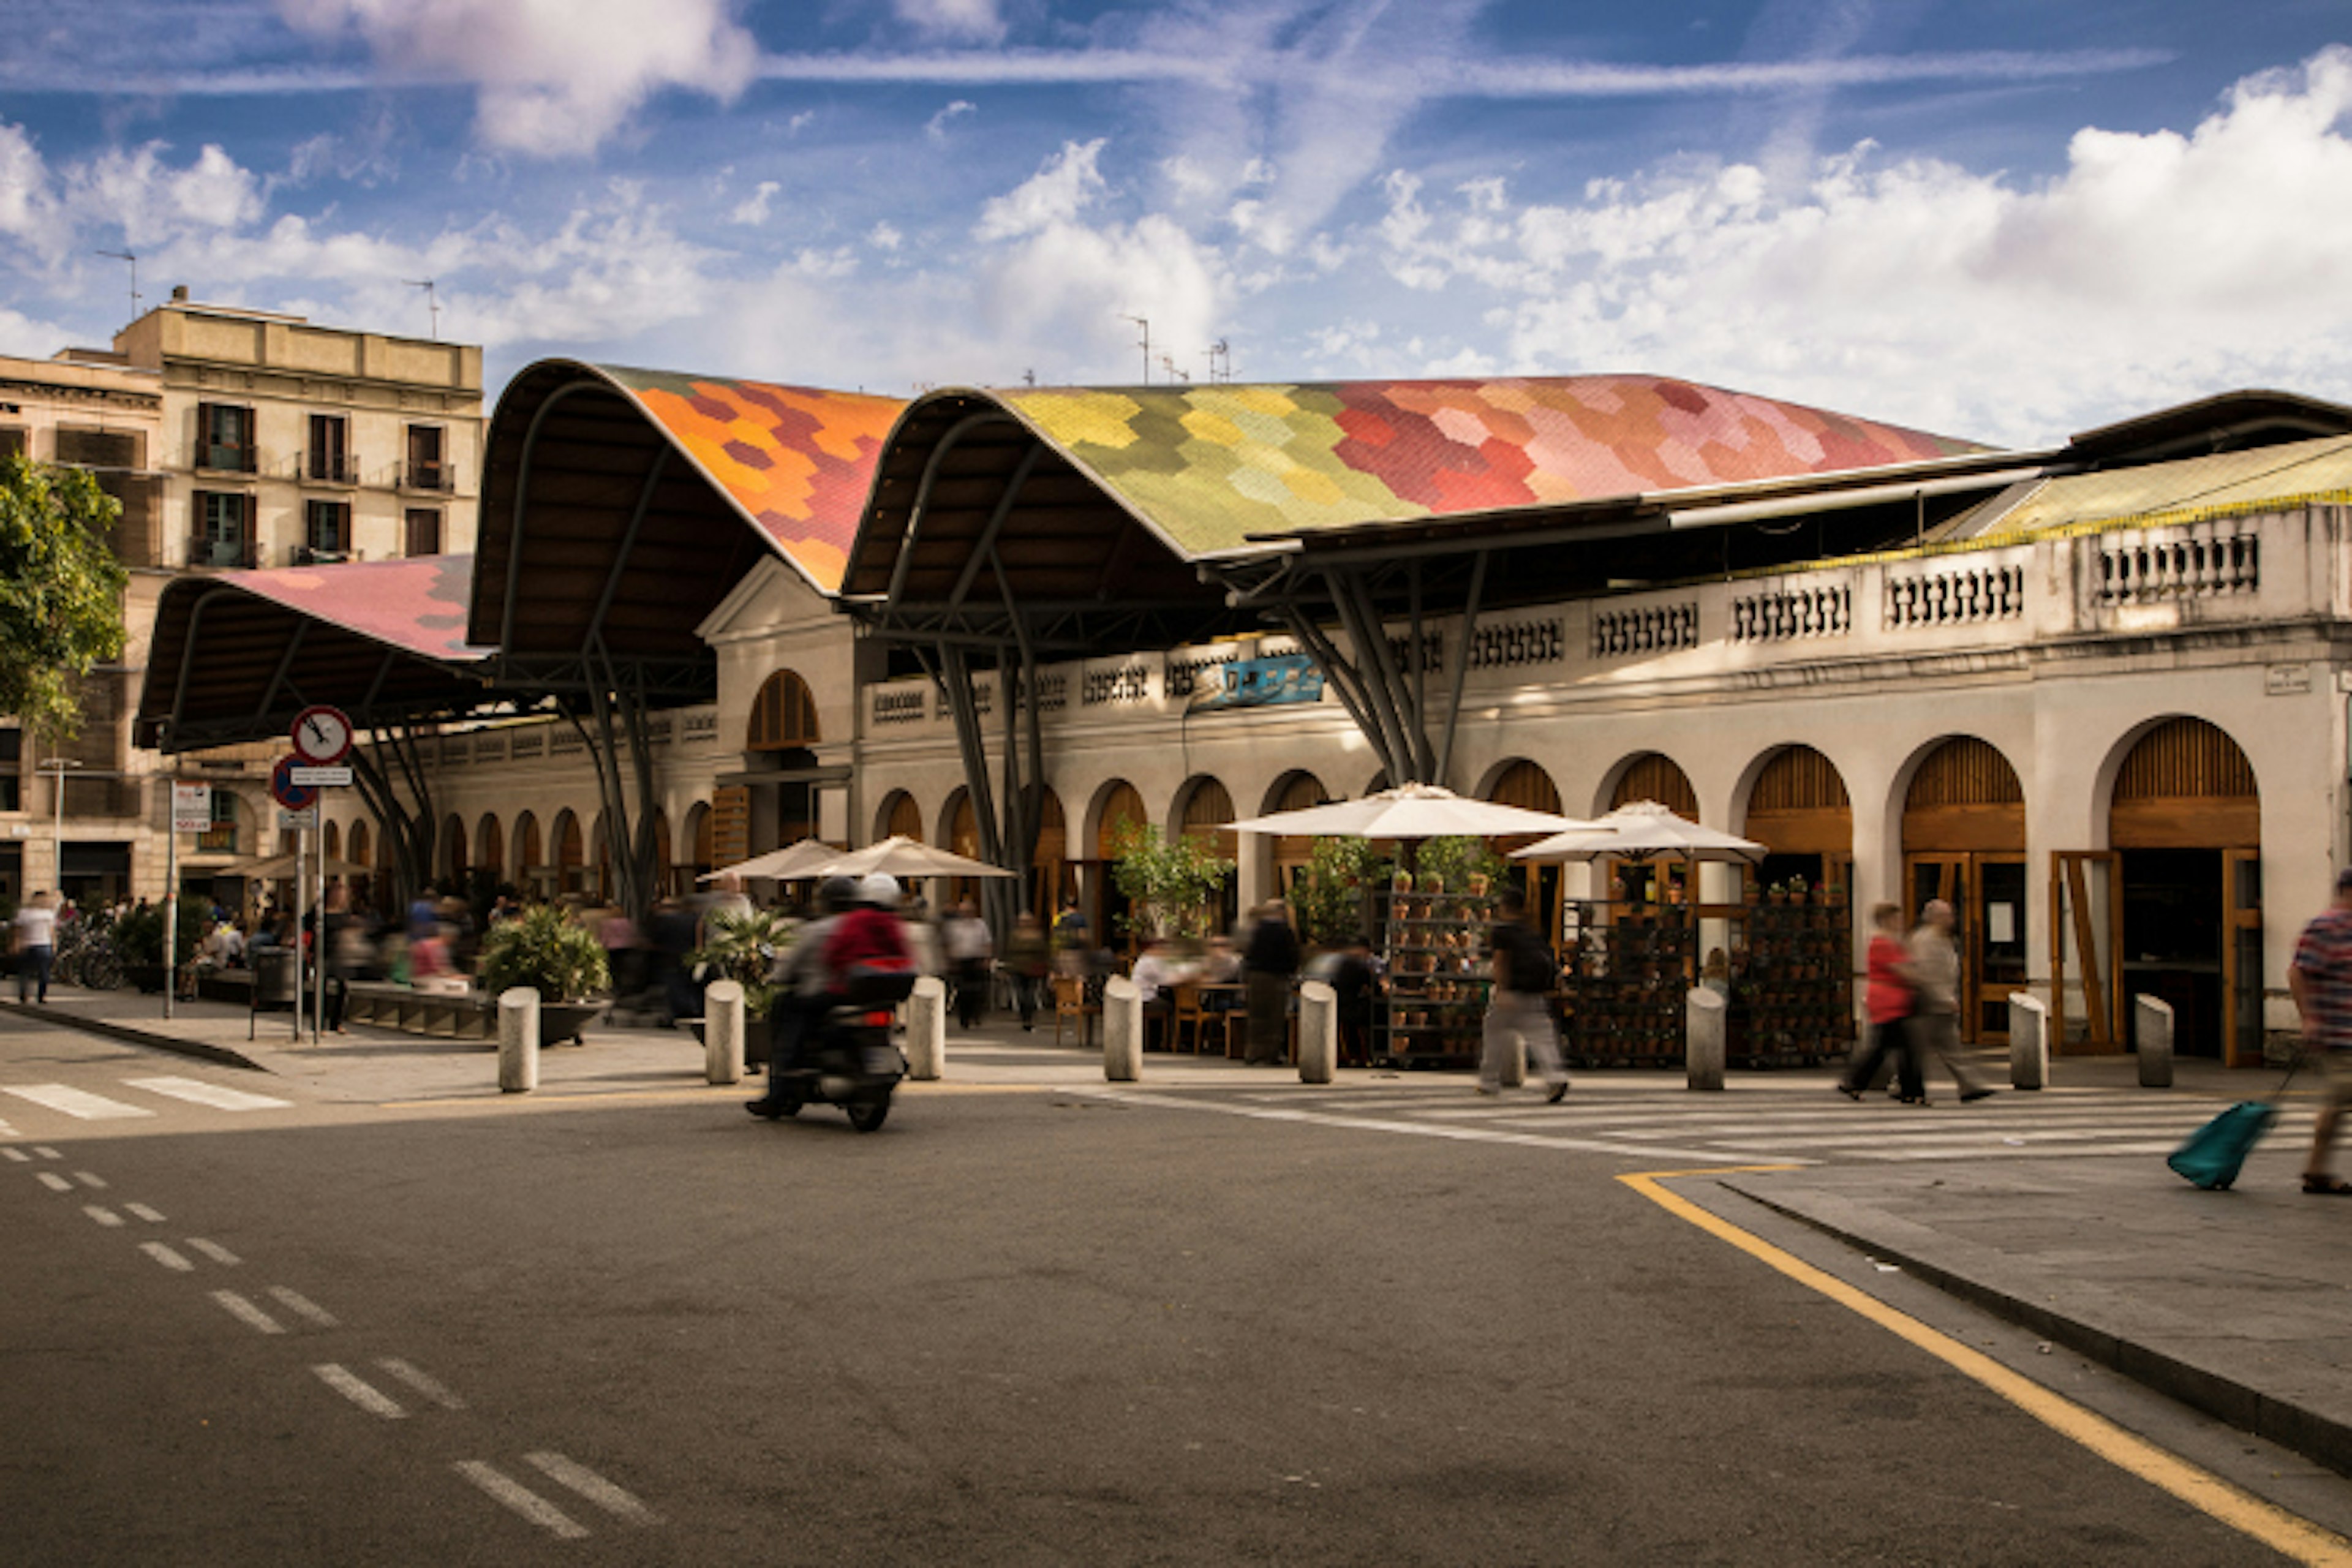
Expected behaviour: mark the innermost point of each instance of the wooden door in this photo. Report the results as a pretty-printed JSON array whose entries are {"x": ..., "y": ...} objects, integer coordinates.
[
  {"x": 2241, "y": 958},
  {"x": 2086, "y": 918}
]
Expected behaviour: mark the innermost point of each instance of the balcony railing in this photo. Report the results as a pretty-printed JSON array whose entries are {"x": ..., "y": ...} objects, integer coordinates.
[
  {"x": 440, "y": 479},
  {"x": 221, "y": 457},
  {"x": 326, "y": 466},
  {"x": 309, "y": 555},
  {"x": 203, "y": 551}
]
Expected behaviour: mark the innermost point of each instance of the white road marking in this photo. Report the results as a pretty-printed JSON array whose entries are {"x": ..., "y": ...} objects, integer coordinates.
[
  {"x": 198, "y": 1091},
  {"x": 303, "y": 1306},
  {"x": 246, "y": 1312},
  {"x": 522, "y": 1500},
  {"x": 9, "y": 1131},
  {"x": 74, "y": 1102},
  {"x": 167, "y": 1258},
  {"x": 56, "y": 1182},
  {"x": 18, "y": 1155},
  {"x": 423, "y": 1383},
  {"x": 613, "y": 1500},
  {"x": 45, "y": 1153},
  {"x": 213, "y": 1250},
  {"x": 1410, "y": 1129},
  {"x": 104, "y": 1217},
  {"x": 143, "y": 1212},
  {"x": 95, "y": 1183},
  {"x": 359, "y": 1391}
]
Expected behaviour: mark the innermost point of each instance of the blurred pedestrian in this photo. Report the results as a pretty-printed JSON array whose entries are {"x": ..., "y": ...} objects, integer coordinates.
[
  {"x": 1028, "y": 960},
  {"x": 36, "y": 935},
  {"x": 2320, "y": 977},
  {"x": 1267, "y": 968},
  {"x": 1518, "y": 1003},
  {"x": 970, "y": 949},
  {"x": 1888, "y": 1000},
  {"x": 1934, "y": 971}
]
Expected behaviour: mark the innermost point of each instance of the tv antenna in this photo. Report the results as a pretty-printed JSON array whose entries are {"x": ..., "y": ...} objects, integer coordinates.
[
  {"x": 1144, "y": 322},
  {"x": 132, "y": 256},
  {"x": 1168, "y": 364},
  {"x": 1221, "y": 361},
  {"x": 432, "y": 306}
]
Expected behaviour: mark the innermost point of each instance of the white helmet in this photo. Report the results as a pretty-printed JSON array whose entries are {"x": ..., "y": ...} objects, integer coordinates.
[{"x": 878, "y": 889}]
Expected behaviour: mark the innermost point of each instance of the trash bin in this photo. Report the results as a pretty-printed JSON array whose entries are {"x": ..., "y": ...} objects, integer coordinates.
[{"x": 273, "y": 978}]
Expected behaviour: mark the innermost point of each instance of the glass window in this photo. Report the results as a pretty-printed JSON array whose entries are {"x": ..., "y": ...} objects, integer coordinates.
[
  {"x": 427, "y": 471},
  {"x": 224, "y": 437},
  {"x": 327, "y": 527},
  {"x": 329, "y": 456},
  {"x": 12, "y": 766},
  {"x": 99, "y": 448},
  {"x": 11, "y": 441},
  {"x": 221, "y": 516}
]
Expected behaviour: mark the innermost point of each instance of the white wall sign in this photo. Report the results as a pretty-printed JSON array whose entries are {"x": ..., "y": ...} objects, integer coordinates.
[{"x": 192, "y": 807}]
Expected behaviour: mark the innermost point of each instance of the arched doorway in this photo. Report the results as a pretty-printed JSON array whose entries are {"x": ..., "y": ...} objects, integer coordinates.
[
  {"x": 1051, "y": 878},
  {"x": 780, "y": 739},
  {"x": 900, "y": 817},
  {"x": 1652, "y": 776},
  {"x": 699, "y": 837},
  {"x": 1120, "y": 812},
  {"x": 330, "y": 840},
  {"x": 1203, "y": 807},
  {"x": 490, "y": 847},
  {"x": 1964, "y": 842},
  {"x": 570, "y": 854},
  {"x": 454, "y": 858},
  {"x": 1293, "y": 792},
  {"x": 664, "y": 867},
  {"x": 2184, "y": 825},
  {"x": 531, "y": 856},
  {"x": 960, "y": 834},
  {"x": 1527, "y": 785},
  {"x": 1800, "y": 811}
]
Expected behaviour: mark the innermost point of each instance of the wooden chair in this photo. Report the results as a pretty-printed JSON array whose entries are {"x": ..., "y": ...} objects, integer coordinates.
[
  {"x": 1071, "y": 1006},
  {"x": 1188, "y": 1014}
]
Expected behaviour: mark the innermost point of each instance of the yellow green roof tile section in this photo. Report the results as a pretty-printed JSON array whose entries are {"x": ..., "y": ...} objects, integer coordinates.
[
  {"x": 1212, "y": 466},
  {"x": 2259, "y": 479}
]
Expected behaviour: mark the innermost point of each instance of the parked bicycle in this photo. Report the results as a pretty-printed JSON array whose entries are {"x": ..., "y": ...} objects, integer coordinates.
[{"x": 87, "y": 955}]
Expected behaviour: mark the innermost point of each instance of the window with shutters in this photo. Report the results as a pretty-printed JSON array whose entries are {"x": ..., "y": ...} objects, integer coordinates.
[{"x": 224, "y": 437}]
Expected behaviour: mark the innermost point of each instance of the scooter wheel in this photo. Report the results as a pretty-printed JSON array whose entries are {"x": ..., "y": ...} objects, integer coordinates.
[{"x": 865, "y": 1115}]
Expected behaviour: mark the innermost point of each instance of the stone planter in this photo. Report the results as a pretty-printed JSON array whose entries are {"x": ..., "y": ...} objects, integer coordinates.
[{"x": 562, "y": 1021}]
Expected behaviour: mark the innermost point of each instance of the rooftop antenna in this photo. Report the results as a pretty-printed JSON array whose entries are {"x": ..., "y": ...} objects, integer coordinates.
[
  {"x": 1145, "y": 323},
  {"x": 432, "y": 306},
  {"x": 131, "y": 257},
  {"x": 1221, "y": 361},
  {"x": 1168, "y": 364},
  {"x": 1029, "y": 378}
]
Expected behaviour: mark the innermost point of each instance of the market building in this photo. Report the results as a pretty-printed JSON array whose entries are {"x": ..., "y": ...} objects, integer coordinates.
[{"x": 2093, "y": 693}]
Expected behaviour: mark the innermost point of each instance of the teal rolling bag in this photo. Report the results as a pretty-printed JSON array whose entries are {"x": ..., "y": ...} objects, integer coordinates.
[{"x": 2214, "y": 1151}]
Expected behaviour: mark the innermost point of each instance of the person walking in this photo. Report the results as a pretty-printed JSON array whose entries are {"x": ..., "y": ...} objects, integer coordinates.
[
  {"x": 1267, "y": 968},
  {"x": 2320, "y": 979},
  {"x": 969, "y": 949},
  {"x": 1519, "y": 1006},
  {"x": 1934, "y": 972},
  {"x": 1027, "y": 959},
  {"x": 1888, "y": 1002},
  {"x": 36, "y": 944}
]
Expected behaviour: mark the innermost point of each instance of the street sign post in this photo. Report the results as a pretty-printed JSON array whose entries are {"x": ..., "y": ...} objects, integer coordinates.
[{"x": 192, "y": 812}]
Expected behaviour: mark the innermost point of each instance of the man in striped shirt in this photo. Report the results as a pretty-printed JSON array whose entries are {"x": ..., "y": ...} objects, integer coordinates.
[{"x": 2321, "y": 980}]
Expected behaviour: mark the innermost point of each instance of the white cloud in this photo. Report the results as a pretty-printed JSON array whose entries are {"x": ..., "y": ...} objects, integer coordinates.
[
  {"x": 753, "y": 210},
  {"x": 553, "y": 77},
  {"x": 964, "y": 21},
  {"x": 2156, "y": 266},
  {"x": 937, "y": 127},
  {"x": 883, "y": 236},
  {"x": 1052, "y": 196}
]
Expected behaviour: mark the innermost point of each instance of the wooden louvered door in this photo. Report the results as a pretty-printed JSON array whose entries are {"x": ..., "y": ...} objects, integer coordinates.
[
  {"x": 2086, "y": 943},
  {"x": 2241, "y": 957}
]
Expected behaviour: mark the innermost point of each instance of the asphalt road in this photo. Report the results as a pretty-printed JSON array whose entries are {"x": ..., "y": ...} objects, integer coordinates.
[{"x": 1016, "y": 1327}]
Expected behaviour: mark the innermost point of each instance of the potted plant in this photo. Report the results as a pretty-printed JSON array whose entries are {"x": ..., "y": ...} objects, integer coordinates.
[
  {"x": 139, "y": 939},
  {"x": 744, "y": 949},
  {"x": 544, "y": 950}
]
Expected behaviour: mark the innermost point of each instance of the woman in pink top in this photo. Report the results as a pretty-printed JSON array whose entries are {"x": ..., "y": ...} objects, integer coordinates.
[{"x": 1888, "y": 1002}]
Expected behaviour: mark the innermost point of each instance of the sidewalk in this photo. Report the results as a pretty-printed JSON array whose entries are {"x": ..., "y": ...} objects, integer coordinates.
[{"x": 2236, "y": 1303}]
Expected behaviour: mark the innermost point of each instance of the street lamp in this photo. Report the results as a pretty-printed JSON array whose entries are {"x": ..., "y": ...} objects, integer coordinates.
[{"x": 55, "y": 768}]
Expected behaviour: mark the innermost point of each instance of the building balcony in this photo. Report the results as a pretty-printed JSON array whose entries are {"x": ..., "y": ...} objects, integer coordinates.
[
  {"x": 214, "y": 458},
  {"x": 435, "y": 479},
  {"x": 203, "y": 551},
  {"x": 324, "y": 466},
  {"x": 220, "y": 838},
  {"x": 311, "y": 555}
]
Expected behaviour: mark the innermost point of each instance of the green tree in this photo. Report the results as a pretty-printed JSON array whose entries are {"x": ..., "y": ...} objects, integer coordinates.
[
  {"x": 61, "y": 590},
  {"x": 1172, "y": 883},
  {"x": 1332, "y": 894}
]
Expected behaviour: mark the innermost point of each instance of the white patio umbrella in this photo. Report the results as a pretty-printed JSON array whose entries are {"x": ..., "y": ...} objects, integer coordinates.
[
  {"x": 278, "y": 868},
  {"x": 903, "y": 857},
  {"x": 1410, "y": 811},
  {"x": 790, "y": 864},
  {"x": 1638, "y": 831}
]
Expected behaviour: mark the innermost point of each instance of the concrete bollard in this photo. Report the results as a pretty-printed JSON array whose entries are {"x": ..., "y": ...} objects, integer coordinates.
[
  {"x": 722, "y": 1031},
  {"x": 2152, "y": 1030},
  {"x": 927, "y": 1029},
  {"x": 1704, "y": 1043},
  {"x": 2028, "y": 1042},
  {"x": 1318, "y": 1032},
  {"x": 518, "y": 1040},
  {"x": 1122, "y": 1030}
]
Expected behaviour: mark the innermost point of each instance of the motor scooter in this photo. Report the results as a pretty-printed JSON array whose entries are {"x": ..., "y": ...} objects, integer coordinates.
[{"x": 850, "y": 1059}]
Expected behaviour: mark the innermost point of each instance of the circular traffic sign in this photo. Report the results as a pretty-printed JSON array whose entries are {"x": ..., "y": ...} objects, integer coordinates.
[
  {"x": 321, "y": 735},
  {"x": 286, "y": 791}
]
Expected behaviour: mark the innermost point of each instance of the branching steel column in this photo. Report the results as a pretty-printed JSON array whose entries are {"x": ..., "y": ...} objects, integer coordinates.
[
  {"x": 955, "y": 672},
  {"x": 1462, "y": 662},
  {"x": 285, "y": 664},
  {"x": 1379, "y": 670},
  {"x": 654, "y": 471},
  {"x": 187, "y": 656},
  {"x": 985, "y": 549},
  {"x": 522, "y": 499},
  {"x": 1338, "y": 677},
  {"x": 1421, "y": 681}
]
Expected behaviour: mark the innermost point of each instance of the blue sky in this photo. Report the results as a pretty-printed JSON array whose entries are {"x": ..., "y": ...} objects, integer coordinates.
[{"x": 2004, "y": 220}]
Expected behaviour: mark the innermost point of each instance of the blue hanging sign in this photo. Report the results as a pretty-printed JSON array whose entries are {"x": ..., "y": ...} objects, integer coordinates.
[{"x": 1266, "y": 682}]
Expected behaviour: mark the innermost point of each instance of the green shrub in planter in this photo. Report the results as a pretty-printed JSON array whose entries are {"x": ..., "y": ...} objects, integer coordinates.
[
  {"x": 744, "y": 949},
  {"x": 544, "y": 950},
  {"x": 138, "y": 935}
]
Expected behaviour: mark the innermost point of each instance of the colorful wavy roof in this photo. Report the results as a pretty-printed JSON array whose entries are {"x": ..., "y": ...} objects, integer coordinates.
[
  {"x": 796, "y": 460},
  {"x": 1214, "y": 465},
  {"x": 417, "y": 605}
]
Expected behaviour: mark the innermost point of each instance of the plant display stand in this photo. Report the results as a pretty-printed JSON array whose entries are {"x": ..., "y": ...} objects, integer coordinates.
[
  {"x": 1433, "y": 952},
  {"x": 1626, "y": 969},
  {"x": 1793, "y": 996}
]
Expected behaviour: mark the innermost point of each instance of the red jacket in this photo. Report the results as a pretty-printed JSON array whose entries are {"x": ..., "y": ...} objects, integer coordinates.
[
  {"x": 863, "y": 936},
  {"x": 1889, "y": 996}
]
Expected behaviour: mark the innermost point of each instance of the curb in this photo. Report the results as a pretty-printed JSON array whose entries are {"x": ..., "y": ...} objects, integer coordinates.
[
  {"x": 219, "y": 1054},
  {"x": 2317, "y": 1437}
]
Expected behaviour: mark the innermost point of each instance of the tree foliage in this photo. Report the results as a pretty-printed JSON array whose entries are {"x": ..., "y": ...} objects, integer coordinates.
[
  {"x": 61, "y": 590},
  {"x": 1331, "y": 893},
  {"x": 1172, "y": 883}
]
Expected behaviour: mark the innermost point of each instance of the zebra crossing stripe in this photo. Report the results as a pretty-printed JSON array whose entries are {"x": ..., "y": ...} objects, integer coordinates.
[
  {"x": 521, "y": 1500},
  {"x": 75, "y": 1103},
  {"x": 196, "y": 1091}
]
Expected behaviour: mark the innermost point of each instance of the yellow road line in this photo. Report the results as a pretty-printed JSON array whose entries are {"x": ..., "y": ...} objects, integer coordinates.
[{"x": 2288, "y": 1534}]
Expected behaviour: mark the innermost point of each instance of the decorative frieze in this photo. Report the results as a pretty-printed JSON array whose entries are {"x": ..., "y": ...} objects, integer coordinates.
[
  {"x": 1119, "y": 684},
  {"x": 1955, "y": 596},
  {"x": 1432, "y": 652},
  {"x": 1508, "y": 645},
  {"x": 899, "y": 705},
  {"x": 1787, "y": 613},
  {"x": 1645, "y": 628},
  {"x": 1184, "y": 677}
]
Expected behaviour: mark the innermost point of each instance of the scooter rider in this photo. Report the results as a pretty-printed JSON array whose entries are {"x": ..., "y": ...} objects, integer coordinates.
[
  {"x": 806, "y": 984},
  {"x": 868, "y": 934}
]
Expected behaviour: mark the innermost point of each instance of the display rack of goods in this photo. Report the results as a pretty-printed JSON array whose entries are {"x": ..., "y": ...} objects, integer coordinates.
[
  {"x": 1627, "y": 970},
  {"x": 1792, "y": 990},
  {"x": 1433, "y": 950}
]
